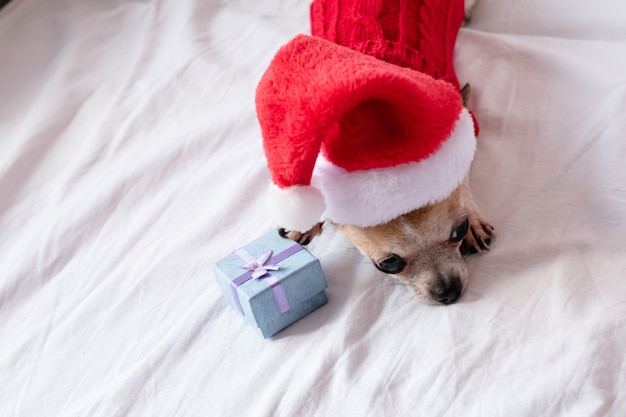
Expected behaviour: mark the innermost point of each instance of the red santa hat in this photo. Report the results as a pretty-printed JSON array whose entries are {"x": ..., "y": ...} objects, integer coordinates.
[{"x": 356, "y": 140}]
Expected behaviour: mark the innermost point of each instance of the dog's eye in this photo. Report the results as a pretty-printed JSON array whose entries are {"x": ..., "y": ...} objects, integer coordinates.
[
  {"x": 459, "y": 231},
  {"x": 392, "y": 264}
]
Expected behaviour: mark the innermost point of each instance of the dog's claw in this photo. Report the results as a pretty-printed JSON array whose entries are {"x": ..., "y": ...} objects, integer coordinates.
[
  {"x": 479, "y": 236},
  {"x": 302, "y": 238}
]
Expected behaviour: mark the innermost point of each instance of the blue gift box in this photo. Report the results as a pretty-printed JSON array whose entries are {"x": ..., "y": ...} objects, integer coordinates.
[{"x": 272, "y": 282}]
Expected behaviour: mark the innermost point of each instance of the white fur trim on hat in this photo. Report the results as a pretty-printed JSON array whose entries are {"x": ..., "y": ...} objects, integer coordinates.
[
  {"x": 376, "y": 196},
  {"x": 296, "y": 208}
]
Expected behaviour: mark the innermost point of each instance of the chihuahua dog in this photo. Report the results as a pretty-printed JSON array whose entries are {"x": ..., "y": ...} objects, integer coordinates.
[{"x": 424, "y": 247}]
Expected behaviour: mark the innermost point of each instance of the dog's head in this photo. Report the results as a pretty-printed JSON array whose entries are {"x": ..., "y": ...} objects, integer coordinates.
[{"x": 421, "y": 249}]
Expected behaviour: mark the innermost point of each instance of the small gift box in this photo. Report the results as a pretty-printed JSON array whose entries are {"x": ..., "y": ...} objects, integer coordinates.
[{"x": 272, "y": 282}]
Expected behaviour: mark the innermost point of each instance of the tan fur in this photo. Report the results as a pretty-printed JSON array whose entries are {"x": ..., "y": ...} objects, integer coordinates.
[{"x": 422, "y": 239}]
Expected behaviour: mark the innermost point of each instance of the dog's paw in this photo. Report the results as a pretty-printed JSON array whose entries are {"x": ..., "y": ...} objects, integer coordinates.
[
  {"x": 478, "y": 236},
  {"x": 300, "y": 237}
]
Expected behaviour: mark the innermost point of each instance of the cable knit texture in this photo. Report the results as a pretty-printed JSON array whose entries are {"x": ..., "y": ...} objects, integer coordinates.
[{"x": 416, "y": 34}]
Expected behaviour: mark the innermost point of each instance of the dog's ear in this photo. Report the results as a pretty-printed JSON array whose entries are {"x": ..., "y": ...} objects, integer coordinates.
[
  {"x": 302, "y": 238},
  {"x": 469, "y": 4},
  {"x": 466, "y": 91}
]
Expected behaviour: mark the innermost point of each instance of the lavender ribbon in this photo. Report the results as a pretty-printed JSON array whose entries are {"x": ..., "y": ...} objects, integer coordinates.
[{"x": 260, "y": 269}]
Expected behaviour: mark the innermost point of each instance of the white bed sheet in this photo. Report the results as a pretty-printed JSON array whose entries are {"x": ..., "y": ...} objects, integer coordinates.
[{"x": 131, "y": 160}]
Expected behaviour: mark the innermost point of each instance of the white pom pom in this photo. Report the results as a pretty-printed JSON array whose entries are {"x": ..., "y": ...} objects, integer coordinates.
[{"x": 296, "y": 208}]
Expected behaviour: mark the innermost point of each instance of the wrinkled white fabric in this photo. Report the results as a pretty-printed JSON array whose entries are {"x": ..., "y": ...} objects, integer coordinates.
[{"x": 131, "y": 160}]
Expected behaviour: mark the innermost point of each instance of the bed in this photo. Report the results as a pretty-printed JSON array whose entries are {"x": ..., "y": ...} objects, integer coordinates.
[{"x": 131, "y": 161}]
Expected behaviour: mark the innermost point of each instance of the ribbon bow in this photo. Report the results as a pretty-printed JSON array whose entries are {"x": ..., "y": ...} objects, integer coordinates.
[{"x": 259, "y": 267}]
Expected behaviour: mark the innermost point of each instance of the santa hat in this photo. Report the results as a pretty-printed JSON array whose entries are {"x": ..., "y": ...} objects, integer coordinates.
[{"x": 356, "y": 140}]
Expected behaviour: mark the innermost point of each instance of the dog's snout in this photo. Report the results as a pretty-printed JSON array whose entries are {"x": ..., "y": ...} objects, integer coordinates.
[{"x": 447, "y": 291}]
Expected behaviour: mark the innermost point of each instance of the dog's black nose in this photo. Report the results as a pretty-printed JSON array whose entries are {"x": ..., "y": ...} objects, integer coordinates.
[{"x": 447, "y": 291}]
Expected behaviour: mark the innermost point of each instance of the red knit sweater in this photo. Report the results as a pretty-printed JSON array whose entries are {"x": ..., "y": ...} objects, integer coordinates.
[{"x": 418, "y": 34}]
